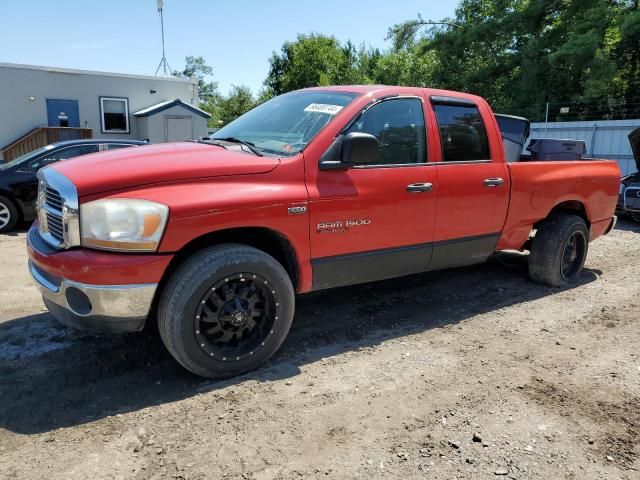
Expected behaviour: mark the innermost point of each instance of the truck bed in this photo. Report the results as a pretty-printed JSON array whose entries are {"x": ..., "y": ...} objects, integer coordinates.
[{"x": 537, "y": 187}]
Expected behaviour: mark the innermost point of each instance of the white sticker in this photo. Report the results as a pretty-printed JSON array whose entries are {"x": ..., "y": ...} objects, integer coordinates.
[{"x": 323, "y": 108}]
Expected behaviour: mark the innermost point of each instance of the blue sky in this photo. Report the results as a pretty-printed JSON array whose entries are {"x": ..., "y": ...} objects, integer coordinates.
[{"x": 235, "y": 37}]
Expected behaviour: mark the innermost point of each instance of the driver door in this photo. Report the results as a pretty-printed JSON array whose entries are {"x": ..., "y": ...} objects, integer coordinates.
[{"x": 376, "y": 221}]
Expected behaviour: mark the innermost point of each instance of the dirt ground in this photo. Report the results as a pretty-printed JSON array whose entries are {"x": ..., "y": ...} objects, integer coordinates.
[{"x": 470, "y": 373}]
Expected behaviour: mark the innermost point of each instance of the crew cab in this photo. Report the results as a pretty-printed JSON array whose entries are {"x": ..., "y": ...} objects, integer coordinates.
[{"x": 314, "y": 189}]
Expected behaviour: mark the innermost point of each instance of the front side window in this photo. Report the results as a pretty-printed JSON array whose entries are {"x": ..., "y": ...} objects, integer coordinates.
[
  {"x": 286, "y": 124},
  {"x": 462, "y": 133},
  {"x": 399, "y": 127},
  {"x": 114, "y": 113}
]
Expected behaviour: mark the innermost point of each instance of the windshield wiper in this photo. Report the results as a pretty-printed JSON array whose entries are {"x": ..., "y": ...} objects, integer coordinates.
[{"x": 247, "y": 144}]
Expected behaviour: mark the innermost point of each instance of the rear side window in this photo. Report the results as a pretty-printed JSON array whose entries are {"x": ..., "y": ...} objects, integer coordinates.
[
  {"x": 65, "y": 153},
  {"x": 462, "y": 133},
  {"x": 399, "y": 127},
  {"x": 115, "y": 146}
]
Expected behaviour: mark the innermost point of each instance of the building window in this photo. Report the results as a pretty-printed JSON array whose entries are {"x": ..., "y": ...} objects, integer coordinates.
[{"x": 114, "y": 114}]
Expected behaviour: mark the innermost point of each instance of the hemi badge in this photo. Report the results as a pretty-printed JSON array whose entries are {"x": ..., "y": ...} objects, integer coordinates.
[{"x": 297, "y": 210}]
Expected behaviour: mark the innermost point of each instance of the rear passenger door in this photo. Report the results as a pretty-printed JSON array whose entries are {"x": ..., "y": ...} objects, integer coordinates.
[{"x": 473, "y": 184}]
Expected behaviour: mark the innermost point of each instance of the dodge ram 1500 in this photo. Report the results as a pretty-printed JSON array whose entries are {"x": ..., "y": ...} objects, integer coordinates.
[{"x": 314, "y": 189}]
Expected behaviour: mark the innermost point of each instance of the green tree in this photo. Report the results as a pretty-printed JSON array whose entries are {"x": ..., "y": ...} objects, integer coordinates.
[
  {"x": 239, "y": 101},
  {"x": 625, "y": 43},
  {"x": 520, "y": 54},
  {"x": 313, "y": 60},
  {"x": 196, "y": 67}
]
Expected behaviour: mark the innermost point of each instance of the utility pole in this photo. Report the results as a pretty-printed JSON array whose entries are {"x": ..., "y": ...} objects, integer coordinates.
[
  {"x": 546, "y": 117},
  {"x": 164, "y": 65}
]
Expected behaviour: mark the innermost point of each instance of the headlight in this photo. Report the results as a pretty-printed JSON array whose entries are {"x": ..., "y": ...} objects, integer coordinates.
[{"x": 123, "y": 224}]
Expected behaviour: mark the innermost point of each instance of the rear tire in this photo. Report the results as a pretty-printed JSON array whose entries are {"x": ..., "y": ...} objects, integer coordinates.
[
  {"x": 635, "y": 216},
  {"x": 226, "y": 310},
  {"x": 9, "y": 215},
  {"x": 559, "y": 250}
]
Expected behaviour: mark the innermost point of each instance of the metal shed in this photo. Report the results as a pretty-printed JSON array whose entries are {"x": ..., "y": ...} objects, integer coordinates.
[{"x": 171, "y": 121}]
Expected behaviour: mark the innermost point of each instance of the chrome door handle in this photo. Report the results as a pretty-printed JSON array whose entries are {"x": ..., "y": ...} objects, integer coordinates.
[
  {"x": 493, "y": 182},
  {"x": 420, "y": 187}
]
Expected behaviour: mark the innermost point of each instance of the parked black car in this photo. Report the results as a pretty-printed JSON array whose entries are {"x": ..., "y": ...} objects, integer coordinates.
[
  {"x": 629, "y": 198},
  {"x": 18, "y": 182}
]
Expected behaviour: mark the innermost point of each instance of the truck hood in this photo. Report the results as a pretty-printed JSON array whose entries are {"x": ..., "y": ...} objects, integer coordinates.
[
  {"x": 168, "y": 162},
  {"x": 634, "y": 139}
]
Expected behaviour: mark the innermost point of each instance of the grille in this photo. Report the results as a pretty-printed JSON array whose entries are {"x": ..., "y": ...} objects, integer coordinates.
[
  {"x": 53, "y": 198},
  {"x": 55, "y": 225},
  {"x": 632, "y": 199},
  {"x": 58, "y": 210}
]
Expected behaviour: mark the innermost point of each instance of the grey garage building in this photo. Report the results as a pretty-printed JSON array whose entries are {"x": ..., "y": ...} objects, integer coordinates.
[
  {"x": 39, "y": 105},
  {"x": 171, "y": 121}
]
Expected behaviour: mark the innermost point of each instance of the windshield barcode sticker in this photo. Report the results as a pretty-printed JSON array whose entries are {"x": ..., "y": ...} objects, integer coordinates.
[{"x": 323, "y": 108}]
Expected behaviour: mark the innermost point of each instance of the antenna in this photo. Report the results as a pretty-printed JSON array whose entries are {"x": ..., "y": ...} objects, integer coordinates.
[{"x": 164, "y": 65}]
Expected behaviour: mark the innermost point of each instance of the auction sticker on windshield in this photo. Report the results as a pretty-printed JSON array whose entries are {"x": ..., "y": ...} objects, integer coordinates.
[{"x": 323, "y": 108}]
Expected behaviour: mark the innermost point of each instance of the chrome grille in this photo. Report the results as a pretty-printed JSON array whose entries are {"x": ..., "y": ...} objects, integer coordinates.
[
  {"x": 54, "y": 206},
  {"x": 56, "y": 228},
  {"x": 58, "y": 209},
  {"x": 53, "y": 198},
  {"x": 632, "y": 192}
]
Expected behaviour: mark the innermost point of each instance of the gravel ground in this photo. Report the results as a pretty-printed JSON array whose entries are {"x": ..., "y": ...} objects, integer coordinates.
[{"x": 468, "y": 373}]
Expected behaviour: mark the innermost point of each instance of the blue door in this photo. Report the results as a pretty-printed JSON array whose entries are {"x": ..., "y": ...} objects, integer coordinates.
[{"x": 63, "y": 113}]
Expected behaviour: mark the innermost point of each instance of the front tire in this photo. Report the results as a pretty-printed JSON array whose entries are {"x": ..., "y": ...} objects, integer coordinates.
[
  {"x": 226, "y": 310},
  {"x": 635, "y": 216},
  {"x": 559, "y": 250},
  {"x": 8, "y": 215}
]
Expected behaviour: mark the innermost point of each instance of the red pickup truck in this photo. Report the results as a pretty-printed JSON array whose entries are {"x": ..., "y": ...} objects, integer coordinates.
[{"x": 314, "y": 189}]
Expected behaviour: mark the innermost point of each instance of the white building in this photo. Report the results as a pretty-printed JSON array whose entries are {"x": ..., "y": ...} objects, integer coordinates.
[{"x": 45, "y": 104}]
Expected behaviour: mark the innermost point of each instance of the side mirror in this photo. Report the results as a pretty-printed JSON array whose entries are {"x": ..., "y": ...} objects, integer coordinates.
[
  {"x": 354, "y": 148},
  {"x": 359, "y": 148}
]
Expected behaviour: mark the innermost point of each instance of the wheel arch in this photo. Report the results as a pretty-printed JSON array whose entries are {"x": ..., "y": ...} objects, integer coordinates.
[
  {"x": 573, "y": 207},
  {"x": 265, "y": 239}
]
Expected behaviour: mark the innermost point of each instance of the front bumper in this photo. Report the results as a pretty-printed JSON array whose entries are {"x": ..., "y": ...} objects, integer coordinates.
[
  {"x": 99, "y": 308},
  {"x": 107, "y": 308}
]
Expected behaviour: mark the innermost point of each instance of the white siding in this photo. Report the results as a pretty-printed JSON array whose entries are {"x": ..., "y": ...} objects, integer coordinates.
[{"x": 25, "y": 88}]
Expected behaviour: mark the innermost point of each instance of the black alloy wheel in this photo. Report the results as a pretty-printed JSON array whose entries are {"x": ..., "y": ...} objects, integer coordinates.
[
  {"x": 236, "y": 316},
  {"x": 573, "y": 255},
  {"x": 226, "y": 310},
  {"x": 559, "y": 250}
]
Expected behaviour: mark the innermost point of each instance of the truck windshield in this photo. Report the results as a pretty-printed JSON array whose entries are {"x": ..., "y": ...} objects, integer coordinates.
[{"x": 285, "y": 125}]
